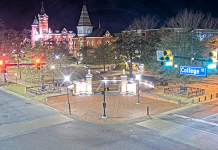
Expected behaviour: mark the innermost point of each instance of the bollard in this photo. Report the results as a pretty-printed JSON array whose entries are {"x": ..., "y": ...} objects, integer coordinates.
[
  {"x": 199, "y": 99},
  {"x": 148, "y": 110},
  {"x": 211, "y": 97},
  {"x": 193, "y": 101},
  {"x": 205, "y": 98}
]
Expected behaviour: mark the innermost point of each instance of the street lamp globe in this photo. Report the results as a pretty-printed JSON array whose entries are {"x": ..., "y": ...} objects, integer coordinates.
[
  {"x": 66, "y": 78},
  {"x": 138, "y": 76},
  {"x": 52, "y": 66}
]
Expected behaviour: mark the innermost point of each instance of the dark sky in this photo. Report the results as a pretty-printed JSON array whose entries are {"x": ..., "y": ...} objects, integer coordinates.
[{"x": 114, "y": 15}]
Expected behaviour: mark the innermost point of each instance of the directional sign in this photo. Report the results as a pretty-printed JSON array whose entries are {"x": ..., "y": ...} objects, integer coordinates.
[{"x": 193, "y": 71}]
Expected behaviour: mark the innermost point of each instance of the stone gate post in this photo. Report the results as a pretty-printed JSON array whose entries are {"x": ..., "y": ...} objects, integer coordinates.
[{"x": 89, "y": 82}]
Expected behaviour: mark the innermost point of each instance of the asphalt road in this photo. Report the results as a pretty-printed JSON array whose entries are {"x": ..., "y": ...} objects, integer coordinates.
[{"x": 26, "y": 125}]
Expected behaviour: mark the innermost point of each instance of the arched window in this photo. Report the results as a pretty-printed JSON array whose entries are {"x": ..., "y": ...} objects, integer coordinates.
[
  {"x": 92, "y": 43},
  {"x": 88, "y": 43}
]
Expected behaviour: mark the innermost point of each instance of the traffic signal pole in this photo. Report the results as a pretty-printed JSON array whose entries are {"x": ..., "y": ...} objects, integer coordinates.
[{"x": 104, "y": 104}]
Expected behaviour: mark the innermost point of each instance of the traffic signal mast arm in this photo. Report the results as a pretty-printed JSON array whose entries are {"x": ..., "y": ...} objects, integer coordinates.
[
  {"x": 199, "y": 59},
  {"x": 23, "y": 64}
]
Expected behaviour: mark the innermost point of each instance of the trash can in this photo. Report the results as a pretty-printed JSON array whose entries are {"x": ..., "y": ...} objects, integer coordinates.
[{"x": 42, "y": 87}]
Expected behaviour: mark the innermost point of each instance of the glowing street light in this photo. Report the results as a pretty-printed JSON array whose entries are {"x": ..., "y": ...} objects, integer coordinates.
[
  {"x": 56, "y": 57},
  {"x": 52, "y": 66}
]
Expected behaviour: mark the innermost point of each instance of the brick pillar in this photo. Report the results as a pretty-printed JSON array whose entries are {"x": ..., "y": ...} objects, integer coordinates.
[
  {"x": 123, "y": 83},
  {"x": 89, "y": 82}
]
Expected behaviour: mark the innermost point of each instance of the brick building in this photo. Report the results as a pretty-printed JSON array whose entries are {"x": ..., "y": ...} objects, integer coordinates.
[
  {"x": 87, "y": 35},
  {"x": 43, "y": 33}
]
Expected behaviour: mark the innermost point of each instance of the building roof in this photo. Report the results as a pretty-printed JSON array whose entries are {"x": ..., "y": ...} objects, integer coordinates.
[
  {"x": 98, "y": 32},
  {"x": 84, "y": 17},
  {"x": 42, "y": 11},
  {"x": 35, "y": 22}
]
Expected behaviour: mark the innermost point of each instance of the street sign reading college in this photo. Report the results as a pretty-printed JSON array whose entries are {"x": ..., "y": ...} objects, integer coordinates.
[{"x": 194, "y": 71}]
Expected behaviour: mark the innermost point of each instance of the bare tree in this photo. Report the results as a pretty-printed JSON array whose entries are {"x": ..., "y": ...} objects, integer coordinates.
[
  {"x": 145, "y": 22},
  {"x": 189, "y": 19}
]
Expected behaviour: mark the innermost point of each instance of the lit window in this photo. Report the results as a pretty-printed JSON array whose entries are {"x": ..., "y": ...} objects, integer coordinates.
[{"x": 88, "y": 31}]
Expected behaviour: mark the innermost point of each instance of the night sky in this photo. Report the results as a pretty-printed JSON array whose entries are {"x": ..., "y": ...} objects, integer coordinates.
[{"x": 114, "y": 15}]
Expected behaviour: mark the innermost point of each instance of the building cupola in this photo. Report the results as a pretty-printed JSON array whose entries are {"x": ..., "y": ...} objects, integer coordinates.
[{"x": 84, "y": 27}]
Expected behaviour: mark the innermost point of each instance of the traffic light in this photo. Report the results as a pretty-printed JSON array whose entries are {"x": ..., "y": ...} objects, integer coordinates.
[
  {"x": 212, "y": 60},
  {"x": 167, "y": 59},
  {"x": 37, "y": 64},
  {"x": 2, "y": 66},
  {"x": 1, "y": 62},
  {"x": 106, "y": 89},
  {"x": 102, "y": 92}
]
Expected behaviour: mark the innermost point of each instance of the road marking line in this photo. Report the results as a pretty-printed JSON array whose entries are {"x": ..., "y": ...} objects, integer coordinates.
[
  {"x": 99, "y": 87},
  {"x": 210, "y": 116},
  {"x": 198, "y": 120}
]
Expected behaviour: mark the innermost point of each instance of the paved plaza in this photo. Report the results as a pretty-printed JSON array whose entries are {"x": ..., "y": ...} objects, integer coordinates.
[{"x": 119, "y": 108}]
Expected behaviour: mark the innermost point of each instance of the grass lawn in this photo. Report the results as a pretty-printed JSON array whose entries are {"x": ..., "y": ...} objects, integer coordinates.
[
  {"x": 16, "y": 88},
  {"x": 21, "y": 90}
]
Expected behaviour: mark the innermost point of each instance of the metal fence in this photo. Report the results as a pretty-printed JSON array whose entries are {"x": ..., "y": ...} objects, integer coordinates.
[
  {"x": 189, "y": 91},
  {"x": 39, "y": 90}
]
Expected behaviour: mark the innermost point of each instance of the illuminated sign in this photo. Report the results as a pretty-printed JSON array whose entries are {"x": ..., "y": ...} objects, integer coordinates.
[{"x": 194, "y": 71}]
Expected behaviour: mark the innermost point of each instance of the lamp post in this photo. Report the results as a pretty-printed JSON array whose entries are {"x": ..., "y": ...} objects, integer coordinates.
[
  {"x": 104, "y": 104},
  {"x": 53, "y": 67},
  {"x": 191, "y": 43},
  {"x": 138, "y": 78},
  {"x": 67, "y": 78}
]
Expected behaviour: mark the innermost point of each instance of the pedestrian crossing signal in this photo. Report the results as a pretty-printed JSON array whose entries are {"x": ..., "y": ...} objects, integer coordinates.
[{"x": 102, "y": 92}]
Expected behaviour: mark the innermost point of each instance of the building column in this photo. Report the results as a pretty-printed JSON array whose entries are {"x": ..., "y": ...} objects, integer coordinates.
[
  {"x": 89, "y": 82},
  {"x": 123, "y": 83}
]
